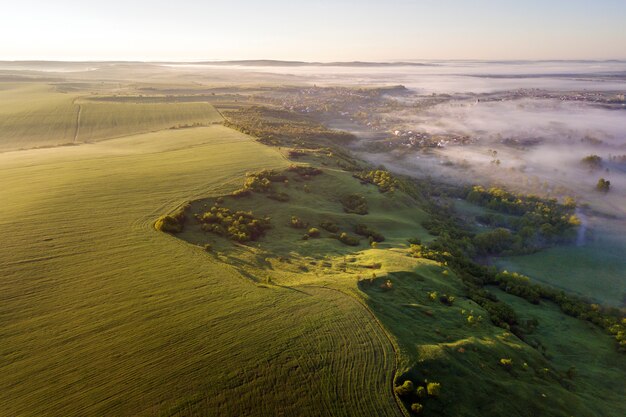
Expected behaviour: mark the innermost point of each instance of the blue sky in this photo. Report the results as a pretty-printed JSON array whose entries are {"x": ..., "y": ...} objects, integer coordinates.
[{"x": 321, "y": 30}]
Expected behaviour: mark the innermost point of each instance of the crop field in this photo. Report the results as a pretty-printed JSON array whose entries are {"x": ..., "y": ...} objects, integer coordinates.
[
  {"x": 102, "y": 315},
  {"x": 38, "y": 115},
  {"x": 109, "y": 120},
  {"x": 34, "y": 115}
]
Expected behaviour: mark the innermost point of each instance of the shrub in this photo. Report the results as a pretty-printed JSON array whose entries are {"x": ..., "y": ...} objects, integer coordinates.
[
  {"x": 416, "y": 408},
  {"x": 348, "y": 240},
  {"x": 405, "y": 389},
  {"x": 295, "y": 154},
  {"x": 241, "y": 193},
  {"x": 432, "y": 296},
  {"x": 603, "y": 185},
  {"x": 208, "y": 247},
  {"x": 373, "y": 235},
  {"x": 355, "y": 203},
  {"x": 314, "y": 232},
  {"x": 447, "y": 299},
  {"x": 414, "y": 241},
  {"x": 433, "y": 389},
  {"x": 421, "y": 392},
  {"x": 278, "y": 196},
  {"x": 329, "y": 226},
  {"x": 387, "y": 285},
  {"x": 506, "y": 363},
  {"x": 173, "y": 222},
  {"x": 168, "y": 224},
  {"x": 297, "y": 223}
]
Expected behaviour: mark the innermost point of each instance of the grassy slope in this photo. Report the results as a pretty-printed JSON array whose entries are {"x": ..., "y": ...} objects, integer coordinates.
[
  {"x": 36, "y": 115},
  {"x": 102, "y": 315},
  {"x": 438, "y": 344},
  {"x": 435, "y": 341}
]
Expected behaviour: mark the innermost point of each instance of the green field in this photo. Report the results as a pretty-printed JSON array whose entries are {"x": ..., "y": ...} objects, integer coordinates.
[
  {"x": 596, "y": 270},
  {"x": 39, "y": 115},
  {"x": 102, "y": 315}
]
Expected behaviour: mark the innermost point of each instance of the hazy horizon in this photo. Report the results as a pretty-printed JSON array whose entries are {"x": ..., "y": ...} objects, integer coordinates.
[{"x": 324, "y": 31}]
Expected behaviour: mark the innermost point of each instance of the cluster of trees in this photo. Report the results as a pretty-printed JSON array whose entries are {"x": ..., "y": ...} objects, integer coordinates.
[
  {"x": 283, "y": 128},
  {"x": 173, "y": 222},
  {"x": 415, "y": 394},
  {"x": 592, "y": 162},
  {"x": 380, "y": 178},
  {"x": 263, "y": 182},
  {"x": 355, "y": 203},
  {"x": 305, "y": 171},
  {"x": 534, "y": 224},
  {"x": 454, "y": 246},
  {"x": 240, "y": 226}
]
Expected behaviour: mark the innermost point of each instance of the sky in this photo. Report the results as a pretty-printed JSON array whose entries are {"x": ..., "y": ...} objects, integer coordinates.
[{"x": 313, "y": 30}]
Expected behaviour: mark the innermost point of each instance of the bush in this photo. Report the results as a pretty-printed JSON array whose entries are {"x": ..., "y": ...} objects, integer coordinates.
[
  {"x": 416, "y": 408},
  {"x": 387, "y": 285},
  {"x": 348, "y": 240},
  {"x": 241, "y": 193},
  {"x": 373, "y": 235},
  {"x": 355, "y": 203},
  {"x": 278, "y": 196},
  {"x": 329, "y": 226},
  {"x": 168, "y": 224},
  {"x": 506, "y": 363},
  {"x": 314, "y": 232},
  {"x": 405, "y": 389},
  {"x": 173, "y": 222},
  {"x": 447, "y": 299},
  {"x": 603, "y": 185},
  {"x": 433, "y": 389},
  {"x": 421, "y": 392},
  {"x": 297, "y": 223}
]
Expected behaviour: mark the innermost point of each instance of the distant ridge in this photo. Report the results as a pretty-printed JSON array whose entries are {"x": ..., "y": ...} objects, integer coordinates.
[{"x": 278, "y": 63}]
